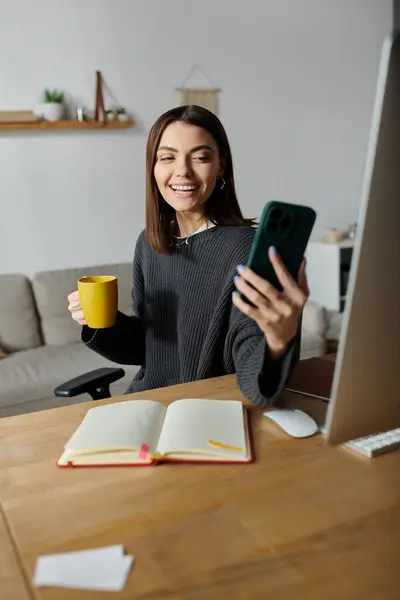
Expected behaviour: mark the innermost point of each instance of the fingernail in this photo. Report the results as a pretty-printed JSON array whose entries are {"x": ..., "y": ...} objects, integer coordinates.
[
  {"x": 236, "y": 278},
  {"x": 234, "y": 295},
  {"x": 240, "y": 268},
  {"x": 273, "y": 250}
]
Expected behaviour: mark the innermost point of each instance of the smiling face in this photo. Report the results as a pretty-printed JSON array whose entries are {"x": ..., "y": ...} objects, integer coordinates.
[{"x": 187, "y": 166}]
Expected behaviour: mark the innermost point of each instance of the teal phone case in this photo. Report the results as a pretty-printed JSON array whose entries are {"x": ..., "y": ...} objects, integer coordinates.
[{"x": 288, "y": 228}]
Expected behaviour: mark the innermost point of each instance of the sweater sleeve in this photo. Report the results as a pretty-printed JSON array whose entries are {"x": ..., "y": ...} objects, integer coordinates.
[
  {"x": 260, "y": 378},
  {"x": 125, "y": 342}
]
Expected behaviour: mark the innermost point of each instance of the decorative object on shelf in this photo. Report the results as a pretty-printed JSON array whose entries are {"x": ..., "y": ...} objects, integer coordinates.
[
  {"x": 22, "y": 116},
  {"x": 352, "y": 231},
  {"x": 81, "y": 114},
  {"x": 333, "y": 235},
  {"x": 117, "y": 114},
  {"x": 99, "y": 110},
  {"x": 52, "y": 106},
  {"x": 112, "y": 114},
  {"x": 203, "y": 94},
  {"x": 122, "y": 114}
]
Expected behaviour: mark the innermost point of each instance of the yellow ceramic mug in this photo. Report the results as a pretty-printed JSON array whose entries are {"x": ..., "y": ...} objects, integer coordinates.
[{"x": 99, "y": 300}]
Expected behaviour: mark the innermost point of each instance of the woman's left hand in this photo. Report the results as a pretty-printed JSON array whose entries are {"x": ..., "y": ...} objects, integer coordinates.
[{"x": 276, "y": 313}]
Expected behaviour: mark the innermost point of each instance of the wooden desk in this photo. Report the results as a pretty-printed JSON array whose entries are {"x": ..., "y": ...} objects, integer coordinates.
[
  {"x": 13, "y": 585},
  {"x": 306, "y": 521}
]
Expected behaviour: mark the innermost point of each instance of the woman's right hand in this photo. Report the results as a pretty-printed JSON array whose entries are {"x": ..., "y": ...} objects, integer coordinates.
[{"x": 75, "y": 309}]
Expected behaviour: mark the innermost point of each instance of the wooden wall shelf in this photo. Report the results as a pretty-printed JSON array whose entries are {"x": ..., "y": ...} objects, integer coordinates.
[{"x": 46, "y": 125}]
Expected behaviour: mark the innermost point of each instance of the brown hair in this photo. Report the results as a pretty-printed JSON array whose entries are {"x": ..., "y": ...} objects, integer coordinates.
[{"x": 221, "y": 208}]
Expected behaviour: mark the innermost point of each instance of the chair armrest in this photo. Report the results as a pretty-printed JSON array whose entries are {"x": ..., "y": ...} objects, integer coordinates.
[{"x": 96, "y": 383}]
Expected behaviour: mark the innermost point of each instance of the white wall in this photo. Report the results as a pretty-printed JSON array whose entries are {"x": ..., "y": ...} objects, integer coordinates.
[{"x": 298, "y": 80}]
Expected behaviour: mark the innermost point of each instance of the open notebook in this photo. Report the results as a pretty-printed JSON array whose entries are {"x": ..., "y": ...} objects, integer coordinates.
[{"x": 145, "y": 432}]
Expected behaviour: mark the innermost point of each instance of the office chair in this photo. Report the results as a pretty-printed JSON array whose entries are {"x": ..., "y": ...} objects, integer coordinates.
[{"x": 95, "y": 383}]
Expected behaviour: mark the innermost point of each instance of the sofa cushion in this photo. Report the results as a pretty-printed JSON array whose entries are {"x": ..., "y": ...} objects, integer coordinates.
[
  {"x": 52, "y": 288},
  {"x": 30, "y": 376},
  {"x": 19, "y": 325}
]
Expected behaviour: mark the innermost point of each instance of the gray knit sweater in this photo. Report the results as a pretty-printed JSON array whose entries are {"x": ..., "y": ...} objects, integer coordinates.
[{"x": 185, "y": 327}]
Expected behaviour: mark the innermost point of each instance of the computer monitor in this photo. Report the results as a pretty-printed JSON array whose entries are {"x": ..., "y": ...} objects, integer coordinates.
[{"x": 365, "y": 396}]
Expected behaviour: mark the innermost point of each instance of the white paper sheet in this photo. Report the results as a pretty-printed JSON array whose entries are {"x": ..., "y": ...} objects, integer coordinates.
[{"x": 99, "y": 569}]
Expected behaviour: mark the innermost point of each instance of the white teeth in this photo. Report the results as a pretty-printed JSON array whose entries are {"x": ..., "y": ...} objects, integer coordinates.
[{"x": 183, "y": 188}]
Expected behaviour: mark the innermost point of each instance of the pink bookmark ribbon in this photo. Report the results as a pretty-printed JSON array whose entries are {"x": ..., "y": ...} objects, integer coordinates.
[{"x": 144, "y": 451}]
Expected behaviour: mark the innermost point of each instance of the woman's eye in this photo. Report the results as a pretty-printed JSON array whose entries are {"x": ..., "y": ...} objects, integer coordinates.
[
  {"x": 164, "y": 158},
  {"x": 202, "y": 157}
]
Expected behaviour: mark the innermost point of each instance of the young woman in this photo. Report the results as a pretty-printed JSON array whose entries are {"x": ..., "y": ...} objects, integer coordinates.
[{"x": 189, "y": 321}]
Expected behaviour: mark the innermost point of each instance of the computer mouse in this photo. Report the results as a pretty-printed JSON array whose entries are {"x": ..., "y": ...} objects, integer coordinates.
[{"x": 294, "y": 422}]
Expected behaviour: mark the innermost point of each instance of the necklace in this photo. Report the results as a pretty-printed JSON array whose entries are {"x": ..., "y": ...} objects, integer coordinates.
[
  {"x": 186, "y": 241},
  {"x": 183, "y": 240}
]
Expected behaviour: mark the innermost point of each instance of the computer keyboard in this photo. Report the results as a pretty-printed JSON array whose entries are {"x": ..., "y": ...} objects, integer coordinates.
[
  {"x": 376, "y": 444},
  {"x": 373, "y": 445}
]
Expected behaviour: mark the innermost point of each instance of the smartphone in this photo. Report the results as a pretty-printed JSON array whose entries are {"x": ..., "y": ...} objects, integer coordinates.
[{"x": 288, "y": 228}]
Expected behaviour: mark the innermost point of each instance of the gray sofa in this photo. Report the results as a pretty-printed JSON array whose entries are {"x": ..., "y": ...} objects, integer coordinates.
[{"x": 43, "y": 344}]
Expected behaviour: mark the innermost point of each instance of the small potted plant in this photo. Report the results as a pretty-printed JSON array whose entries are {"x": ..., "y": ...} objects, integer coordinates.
[
  {"x": 52, "y": 106},
  {"x": 117, "y": 114},
  {"x": 112, "y": 114},
  {"x": 122, "y": 114}
]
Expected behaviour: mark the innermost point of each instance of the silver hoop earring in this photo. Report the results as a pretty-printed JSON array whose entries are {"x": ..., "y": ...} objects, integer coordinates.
[{"x": 222, "y": 183}]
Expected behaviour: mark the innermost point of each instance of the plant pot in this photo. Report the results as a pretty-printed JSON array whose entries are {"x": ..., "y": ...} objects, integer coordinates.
[{"x": 50, "y": 111}]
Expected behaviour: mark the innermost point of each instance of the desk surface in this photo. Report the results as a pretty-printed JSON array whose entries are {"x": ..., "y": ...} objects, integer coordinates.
[
  {"x": 305, "y": 521},
  {"x": 13, "y": 585}
]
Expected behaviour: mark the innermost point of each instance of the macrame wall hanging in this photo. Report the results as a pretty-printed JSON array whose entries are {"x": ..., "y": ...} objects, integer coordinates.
[{"x": 199, "y": 89}]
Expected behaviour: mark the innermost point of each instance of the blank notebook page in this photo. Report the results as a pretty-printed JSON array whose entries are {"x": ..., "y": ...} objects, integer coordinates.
[
  {"x": 126, "y": 424},
  {"x": 190, "y": 424}
]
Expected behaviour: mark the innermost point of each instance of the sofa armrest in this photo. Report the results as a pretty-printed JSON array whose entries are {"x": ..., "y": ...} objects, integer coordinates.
[
  {"x": 315, "y": 319},
  {"x": 313, "y": 331},
  {"x": 96, "y": 383}
]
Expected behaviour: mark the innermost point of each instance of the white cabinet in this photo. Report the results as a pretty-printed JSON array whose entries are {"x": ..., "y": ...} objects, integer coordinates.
[{"x": 328, "y": 268}]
